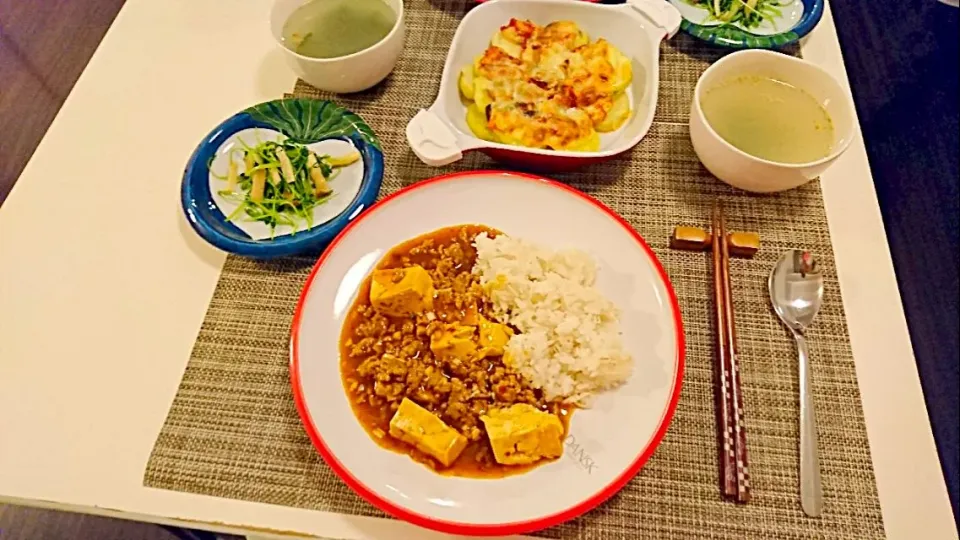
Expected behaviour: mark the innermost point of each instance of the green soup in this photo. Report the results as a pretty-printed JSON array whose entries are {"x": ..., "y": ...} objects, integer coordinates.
[
  {"x": 769, "y": 119},
  {"x": 332, "y": 28}
]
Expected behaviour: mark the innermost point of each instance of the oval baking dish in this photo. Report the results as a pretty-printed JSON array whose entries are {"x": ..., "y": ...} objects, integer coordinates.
[{"x": 439, "y": 135}]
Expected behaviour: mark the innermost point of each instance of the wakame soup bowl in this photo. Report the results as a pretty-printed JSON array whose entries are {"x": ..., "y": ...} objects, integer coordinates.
[
  {"x": 751, "y": 173},
  {"x": 343, "y": 74}
]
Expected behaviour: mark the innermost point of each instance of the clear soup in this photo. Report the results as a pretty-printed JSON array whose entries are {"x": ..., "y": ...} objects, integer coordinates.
[
  {"x": 333, "y": 28},
  {"x": 769, "y": 119}
]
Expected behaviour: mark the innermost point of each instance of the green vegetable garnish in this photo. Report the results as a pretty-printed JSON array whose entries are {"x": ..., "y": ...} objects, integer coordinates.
[
  {"x": 748, "y": 13},
  {"x": 280, "y": 183}
]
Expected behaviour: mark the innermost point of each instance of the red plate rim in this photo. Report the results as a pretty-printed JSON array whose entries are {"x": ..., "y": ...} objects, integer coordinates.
[{"x": 518, "y": 527}]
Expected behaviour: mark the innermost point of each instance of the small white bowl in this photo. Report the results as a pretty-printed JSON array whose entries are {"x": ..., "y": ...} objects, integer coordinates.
[
  {"x": 343, "y": 74},
  {"x": 751, "y": 173}
]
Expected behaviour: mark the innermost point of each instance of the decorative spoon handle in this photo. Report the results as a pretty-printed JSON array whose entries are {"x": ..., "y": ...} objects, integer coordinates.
[{"x": 811, "y": 493}]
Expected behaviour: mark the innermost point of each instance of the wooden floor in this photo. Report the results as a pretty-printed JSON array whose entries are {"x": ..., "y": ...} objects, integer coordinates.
[
  {"x": 18, "y": 523},
  {"x": 44, "y": 46},
  {"x": 33, "y": 524},
  {"x": 903, "y": 66},
  {"x": 902, "y": 59}
]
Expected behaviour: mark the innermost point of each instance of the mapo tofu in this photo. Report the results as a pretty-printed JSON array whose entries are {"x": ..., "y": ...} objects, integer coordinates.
[{"x": 422, "y": 363}]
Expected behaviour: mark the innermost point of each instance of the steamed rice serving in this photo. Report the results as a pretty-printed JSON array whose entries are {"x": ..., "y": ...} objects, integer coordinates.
[{"x": 569, "y": 344}]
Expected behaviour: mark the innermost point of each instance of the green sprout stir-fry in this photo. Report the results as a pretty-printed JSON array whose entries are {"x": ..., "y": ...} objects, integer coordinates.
[
  {"x": 280, "y": 183},
  {"x": 747, "y": 13}
]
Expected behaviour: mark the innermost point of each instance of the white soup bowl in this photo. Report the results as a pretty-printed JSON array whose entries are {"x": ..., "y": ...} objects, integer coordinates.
[
  {"x": 751, "y": 173},
  {"x": 343, "y": 74}
]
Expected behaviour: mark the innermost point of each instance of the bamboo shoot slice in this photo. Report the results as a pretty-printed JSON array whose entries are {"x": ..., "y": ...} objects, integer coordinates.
[
  {"x": 320, "y": 187},
  {"x": 344, "y": 160},
  {"x": 259, "y": 184},
  {"x": 285, "y": 166}
]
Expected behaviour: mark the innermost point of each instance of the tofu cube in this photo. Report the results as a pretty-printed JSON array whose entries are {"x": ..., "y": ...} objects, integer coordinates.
[
  {"x": 415, "y": 425},
  {"x": 522, "y": 434},
  {"x": 454, "y": 342},
  {"x": 402, "y": 292},
  {"x": 493, "y": 337}
]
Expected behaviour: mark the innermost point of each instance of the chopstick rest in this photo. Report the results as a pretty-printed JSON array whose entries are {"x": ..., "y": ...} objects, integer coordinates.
[{"x": 740, "y": 244}]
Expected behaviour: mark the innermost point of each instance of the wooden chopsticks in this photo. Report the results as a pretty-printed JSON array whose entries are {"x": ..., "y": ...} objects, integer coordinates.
[{"x": 734, "y": 472}]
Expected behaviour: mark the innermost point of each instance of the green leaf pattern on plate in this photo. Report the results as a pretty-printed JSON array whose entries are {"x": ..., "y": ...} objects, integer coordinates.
[
  {"x": 307, "y": 120},
  {"x": 732, "y": 36}
]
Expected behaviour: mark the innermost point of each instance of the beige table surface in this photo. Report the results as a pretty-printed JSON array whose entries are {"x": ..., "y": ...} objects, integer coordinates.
[{"x": 103, "y": 286}]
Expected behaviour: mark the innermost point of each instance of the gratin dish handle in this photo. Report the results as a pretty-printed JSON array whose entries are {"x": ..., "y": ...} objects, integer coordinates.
[
  {"x": 432, "y": 140},
  {"x": 662, "y": 13}
]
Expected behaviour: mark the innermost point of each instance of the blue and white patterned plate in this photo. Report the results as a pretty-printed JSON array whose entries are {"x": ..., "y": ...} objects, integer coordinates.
[
  {"x": 797, "y": 19},
  {"x": 323, "y": 126}
]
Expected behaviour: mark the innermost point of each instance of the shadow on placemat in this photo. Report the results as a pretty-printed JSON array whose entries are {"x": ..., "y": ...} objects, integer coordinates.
[{"x": 233, "y": 432}]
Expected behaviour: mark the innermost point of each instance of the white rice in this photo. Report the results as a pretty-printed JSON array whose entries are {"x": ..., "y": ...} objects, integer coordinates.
[{"x": 569, "y": 342}]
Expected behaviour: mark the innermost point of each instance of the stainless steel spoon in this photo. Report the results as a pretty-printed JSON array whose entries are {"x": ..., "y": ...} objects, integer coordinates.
[{"x": 796, "y": 290}]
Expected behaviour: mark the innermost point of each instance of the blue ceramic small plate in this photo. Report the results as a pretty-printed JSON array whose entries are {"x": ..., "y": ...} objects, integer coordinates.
[
  {"x": 796, "y": 19},
  {"x": 326, "y": 128}
]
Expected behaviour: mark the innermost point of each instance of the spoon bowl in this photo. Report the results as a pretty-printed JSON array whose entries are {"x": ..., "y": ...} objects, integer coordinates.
[{"x": 796, "y": 289}]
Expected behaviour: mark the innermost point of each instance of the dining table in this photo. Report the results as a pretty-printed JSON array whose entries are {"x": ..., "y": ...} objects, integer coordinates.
[{"x": 103, "y": 285}]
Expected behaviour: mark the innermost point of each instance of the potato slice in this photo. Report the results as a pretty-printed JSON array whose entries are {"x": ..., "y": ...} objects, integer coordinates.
[
  {"x": 510, "y": 138},
  {"x": 465, "y": 82},
  {"x": 477, "y": 122},
  {"x": 622, "y": 69},
  {"x": 482, "y": 92},
  {"x": 617, "y": 115},
  {"x": 566, "y": 32},
  {"x": 590, "y": 143},
  {"x": 582, "y": 39},
  {"x": 476, "y": 65},
  {"x": 503, "y": 42}
]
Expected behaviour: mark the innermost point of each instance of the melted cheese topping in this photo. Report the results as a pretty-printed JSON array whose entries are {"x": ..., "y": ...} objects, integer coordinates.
[{"x": 546, "y": 87}]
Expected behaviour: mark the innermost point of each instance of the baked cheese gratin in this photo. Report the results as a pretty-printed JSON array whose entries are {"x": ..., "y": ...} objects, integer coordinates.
[{"x": 546, "y": 87}]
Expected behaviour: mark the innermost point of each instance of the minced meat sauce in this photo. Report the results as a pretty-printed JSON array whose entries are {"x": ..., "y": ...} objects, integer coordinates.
[{"x": 384, "y": 358}]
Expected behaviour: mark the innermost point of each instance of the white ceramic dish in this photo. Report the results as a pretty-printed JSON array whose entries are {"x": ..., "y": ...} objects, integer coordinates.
[
  {"x": 344, "y": 74},
  {"x": 751, "y": 173},
  {"x": 607, "y": 444},
  {"x": 439, "y": 135}
]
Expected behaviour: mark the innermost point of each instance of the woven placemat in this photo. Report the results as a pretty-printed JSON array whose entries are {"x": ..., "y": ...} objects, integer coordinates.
[{"x": 233, "y": 431}]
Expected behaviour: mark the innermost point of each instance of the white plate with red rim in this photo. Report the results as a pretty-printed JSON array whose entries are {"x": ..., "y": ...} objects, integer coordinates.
[{"x": 607, "y": 444}]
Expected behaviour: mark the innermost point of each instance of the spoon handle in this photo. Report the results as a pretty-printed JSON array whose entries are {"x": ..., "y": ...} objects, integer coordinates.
[{"x": 811, "y": 494}]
